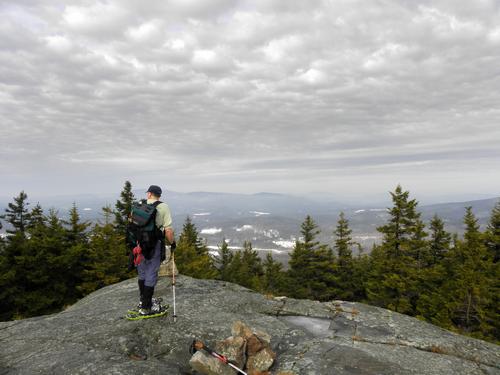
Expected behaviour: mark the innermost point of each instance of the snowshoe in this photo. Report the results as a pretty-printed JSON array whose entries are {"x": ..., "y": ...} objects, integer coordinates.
[{"x": 147, "y": 314}]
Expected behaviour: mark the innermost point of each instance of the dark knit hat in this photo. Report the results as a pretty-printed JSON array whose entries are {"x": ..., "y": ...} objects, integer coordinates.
[{"x": 156, "y": 190}]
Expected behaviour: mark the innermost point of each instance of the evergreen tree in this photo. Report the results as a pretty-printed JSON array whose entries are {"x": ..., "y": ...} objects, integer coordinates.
[
  {"x": 345, "y": 264},
  {"x": 234, "y": 267},
  {"x": 431, "y": 299},
  {"x": 404, "y": 225},
  {"x": 440, "y": 241},
  {"x": 393, "y": 280},
  {"x": 40, "y": 267},
  {"x": 246, "y": 270},
  {"x": 77, "y": 245},
  {"x": 468, "y": 289},
  {"x": 419, "y": 248},
  {"x": 17, "y": 214},
  {"x": 190, "y": 236},
  {"x": 77, "y": 230},
  {"x": 225, "y": 258},
  {"x": 11, "y": 287},
  {"x": 323, "y": 282},
  {"x": 311, "y": 266},
  {"x": 106, "y": 259},
  {"x": 192, "y": 256},
  {"x": 36, "y": 218},
  {"x": 492, "y": 241},
  {"x": 343, "y": 239},
  {"x": 2, "y": 241},
  {"x": 274, "y": 280},
  {"x": 361, "y": 271},
  {"x": 493, "y": 233},
  {"x": 48, "y": 268},
  {"x": 309, "y": 231},
  {"x": 123, "y": 208}
]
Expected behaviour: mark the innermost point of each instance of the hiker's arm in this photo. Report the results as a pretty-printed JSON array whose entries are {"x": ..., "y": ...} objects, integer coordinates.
[
  {"x": 167, "y": 225},
  {"x": 169, "y": 235}
]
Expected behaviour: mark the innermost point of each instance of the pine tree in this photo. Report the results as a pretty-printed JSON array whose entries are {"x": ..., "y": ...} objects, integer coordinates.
[
  {"x": 343, "y": 239},
  {"x": 252, "y": 267},
  {"x": 17, "y": 214},
  {"x": 493, "y": 233},
  {"x": 440, "y": 241},
  {"x": 394, "y": 278},
  {"x": 404, "y": 225},
  {"x": 190, "y": 236},
  {"x": 11, "y": 272},
  {"x": 419, "y": 248},
  {"x": 274, "y": 280},
  {"x": 246, "y": 268},
  {"x": 36, "y": 218},
  {"x": 2, "y": 242},
  {"x": 106, "y": 259},
  {"x": 344, "y": 264},
  {"x": 77, "y": 230},
  {"x": 323, "y": 282},
  {"x": 123, "y": 208},
  {"x": 361, "y": 271},
  {"x": 77, "y": 241},
  {"x": 431, "y": 279},
  {"x": 49, "y": 267},
  {"x": 41, "y": 269},
  {"x": 301, "y": 258},
  {"x": 225, "y": 258},
  {"x": 492, "y": 241},
  {"x": 192, "y": 256},
  {"x": 468, "y": 289},
  {"x": 311, "y": 266},
  {"x": 309, "y": 231}
]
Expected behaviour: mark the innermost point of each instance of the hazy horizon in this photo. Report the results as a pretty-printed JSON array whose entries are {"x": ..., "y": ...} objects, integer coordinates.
[{"x": 374, "y": 199}]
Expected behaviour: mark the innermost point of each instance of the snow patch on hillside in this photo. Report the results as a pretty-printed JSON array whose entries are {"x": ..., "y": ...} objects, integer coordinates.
[
  {"x": 211, "y": 230},
  {"x": 245, "y": 227},
  {"x": 214, "y": 250},
  {"x": 257, "y": 213},
  {"x": 285, "y": 243}
]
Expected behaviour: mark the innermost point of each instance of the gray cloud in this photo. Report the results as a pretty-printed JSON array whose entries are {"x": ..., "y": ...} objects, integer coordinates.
[{"x": 250, "y": 95}]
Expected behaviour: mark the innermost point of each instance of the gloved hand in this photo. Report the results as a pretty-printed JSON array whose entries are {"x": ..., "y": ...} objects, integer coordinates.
[{"x": 173, "y": 246}]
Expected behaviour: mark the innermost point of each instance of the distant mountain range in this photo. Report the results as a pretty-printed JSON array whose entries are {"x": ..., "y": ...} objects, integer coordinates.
[{"x": 270, "y": 221}]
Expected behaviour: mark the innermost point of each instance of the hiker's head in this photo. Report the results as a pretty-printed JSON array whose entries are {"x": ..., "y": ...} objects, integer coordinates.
[{"x": 155, "y": 191}]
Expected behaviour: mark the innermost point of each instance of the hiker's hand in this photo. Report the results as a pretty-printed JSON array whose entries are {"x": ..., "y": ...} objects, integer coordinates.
[{"x": 173, "y": 246}]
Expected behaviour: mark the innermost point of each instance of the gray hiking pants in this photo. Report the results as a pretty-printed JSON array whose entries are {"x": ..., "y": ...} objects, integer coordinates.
[{"x": 148, "y": 269}]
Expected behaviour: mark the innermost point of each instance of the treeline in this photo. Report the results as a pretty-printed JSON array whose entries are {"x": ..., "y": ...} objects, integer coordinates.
[
  {"x": 47, "y": 263},
  {"x": 418, "y": 269}
]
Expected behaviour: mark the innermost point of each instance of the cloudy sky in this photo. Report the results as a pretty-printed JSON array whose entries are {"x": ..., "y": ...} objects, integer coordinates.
[{"x": 340, "y": 96}]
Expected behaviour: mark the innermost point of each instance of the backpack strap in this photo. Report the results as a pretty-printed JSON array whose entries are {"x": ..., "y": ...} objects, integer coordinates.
[{"x": 156, "y": 204}]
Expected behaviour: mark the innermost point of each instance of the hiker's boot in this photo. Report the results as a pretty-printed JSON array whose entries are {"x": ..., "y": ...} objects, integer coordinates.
[
  {"x": 141, "y": 292},
  {"x": 146, "y": 300},
  {"x": 156, "y": 306}
]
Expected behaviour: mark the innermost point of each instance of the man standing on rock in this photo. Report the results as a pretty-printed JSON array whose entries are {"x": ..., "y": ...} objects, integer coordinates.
[{"x": 148, "y": 269}]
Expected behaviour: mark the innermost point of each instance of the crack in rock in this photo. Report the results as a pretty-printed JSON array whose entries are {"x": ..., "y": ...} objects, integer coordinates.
[{"x": 424, "y": 349}]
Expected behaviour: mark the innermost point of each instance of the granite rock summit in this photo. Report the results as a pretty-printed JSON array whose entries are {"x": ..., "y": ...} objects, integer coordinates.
[{"x": 308, "y": 337}]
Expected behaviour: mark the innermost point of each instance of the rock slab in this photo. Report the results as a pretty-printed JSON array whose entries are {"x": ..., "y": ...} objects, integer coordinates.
[{"x": 309, "y": 337}]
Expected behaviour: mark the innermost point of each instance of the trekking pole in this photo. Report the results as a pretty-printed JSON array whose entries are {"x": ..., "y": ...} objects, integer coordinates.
[
  {"x": 173, "y": 282},
  {"x": 198, "y": 345}
]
